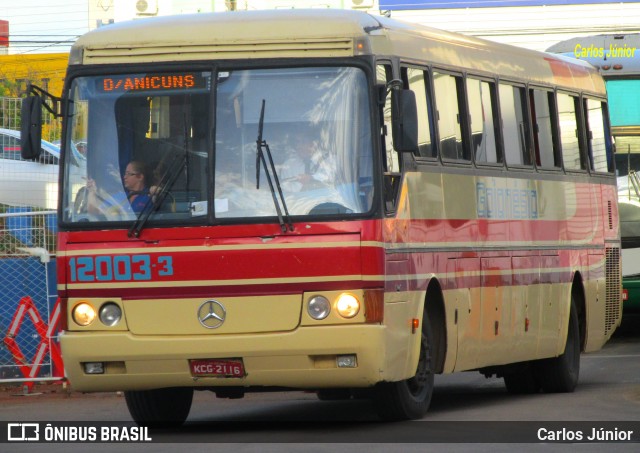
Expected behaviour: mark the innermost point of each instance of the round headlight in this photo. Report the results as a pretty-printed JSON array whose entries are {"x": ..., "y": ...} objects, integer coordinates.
[
  {"x": 348, "y": 305},
  {"x": 110, "y": 314},
  {"x": 84, "y": 314},
  {"x": 318, "y": 307}
]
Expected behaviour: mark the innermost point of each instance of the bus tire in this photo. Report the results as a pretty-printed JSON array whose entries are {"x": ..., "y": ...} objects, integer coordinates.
[
  {"x": 409, "y": 399},
  {"x": 560, "y": 374},
  {"x": 160, "y": 408}
]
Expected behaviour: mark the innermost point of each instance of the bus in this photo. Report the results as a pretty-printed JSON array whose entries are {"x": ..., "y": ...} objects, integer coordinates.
[
  {"x": 618, "y": 60},
  {"x": 335, "y": 202}
]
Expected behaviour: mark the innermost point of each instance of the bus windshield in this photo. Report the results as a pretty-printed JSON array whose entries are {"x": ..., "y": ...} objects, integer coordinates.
[
  {"x": 157, "y": 147},
  {"x": 623, "y": 97},
  {"x": 627, "y": 167}
]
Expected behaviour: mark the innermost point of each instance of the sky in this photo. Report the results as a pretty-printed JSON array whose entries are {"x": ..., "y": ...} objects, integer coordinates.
[{"x": 43, "y": 26}]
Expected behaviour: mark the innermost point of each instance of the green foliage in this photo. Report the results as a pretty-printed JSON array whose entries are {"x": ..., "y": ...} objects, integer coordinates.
[{"x": 10, "y": 88}]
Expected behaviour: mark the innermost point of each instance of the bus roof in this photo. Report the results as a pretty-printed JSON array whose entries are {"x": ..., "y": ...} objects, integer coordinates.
[
  {"x": 300, "y": 33},
  {"x": 615, "y": 55}
]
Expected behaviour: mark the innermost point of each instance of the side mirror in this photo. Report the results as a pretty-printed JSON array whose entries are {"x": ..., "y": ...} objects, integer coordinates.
[
  {"x": 404, "y": 114},
  {"x": 31, "y": 127}
]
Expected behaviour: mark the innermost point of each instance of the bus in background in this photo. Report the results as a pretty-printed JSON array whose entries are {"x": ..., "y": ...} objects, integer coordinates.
[
  {"x": 617, "y": 57},
  {"x": 339, "y": 202}
]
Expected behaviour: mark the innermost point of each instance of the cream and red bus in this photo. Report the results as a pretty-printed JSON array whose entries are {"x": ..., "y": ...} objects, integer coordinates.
[{"x": 335, "y": 202}]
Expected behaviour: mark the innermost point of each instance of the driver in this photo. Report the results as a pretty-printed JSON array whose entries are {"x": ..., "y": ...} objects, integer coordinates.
[
  {"x": 136, "y": 194},
  {"x": 307, "y": 167}
]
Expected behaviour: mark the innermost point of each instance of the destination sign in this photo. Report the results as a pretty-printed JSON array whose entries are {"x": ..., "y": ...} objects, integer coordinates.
[{"x": 152, "y": 82}]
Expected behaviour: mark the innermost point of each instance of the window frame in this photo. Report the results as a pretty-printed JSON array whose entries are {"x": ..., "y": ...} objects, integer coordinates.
[
  {"x": 607, "y": 137},
  {"x": 580, "y": 135},
  {"x": 526, "y": 120},
  {"x": 430, "y": 107},
  {"x": 527, "y": 93},
  {"x": 495, "y": 111},
  {"x": 462, "y": 116},
  {"x": 553, "y": 123}
]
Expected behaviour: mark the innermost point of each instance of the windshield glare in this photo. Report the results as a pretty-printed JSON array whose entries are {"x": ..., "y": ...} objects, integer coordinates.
[
  {"x": 147, "y": 148},
  {"x": 316, "y": 126}
]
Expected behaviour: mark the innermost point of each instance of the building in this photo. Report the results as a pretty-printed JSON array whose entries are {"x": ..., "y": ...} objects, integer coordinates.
[
  {"x": 45, "y": 70},
  {"x": 534, "y": 24}
]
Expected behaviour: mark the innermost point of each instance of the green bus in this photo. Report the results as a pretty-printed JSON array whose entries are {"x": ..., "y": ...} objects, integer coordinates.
[{"x": 617, "y": 57}]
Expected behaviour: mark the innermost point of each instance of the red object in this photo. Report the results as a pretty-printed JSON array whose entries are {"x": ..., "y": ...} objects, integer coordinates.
[
  {"x": 46, "y": 332},
  {"x": 4, "y": 33},
  {"x": 217, "y": 367}
]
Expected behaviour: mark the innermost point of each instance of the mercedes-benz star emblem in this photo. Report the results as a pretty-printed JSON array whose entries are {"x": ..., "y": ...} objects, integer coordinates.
[{"x": 211, "y": 314}]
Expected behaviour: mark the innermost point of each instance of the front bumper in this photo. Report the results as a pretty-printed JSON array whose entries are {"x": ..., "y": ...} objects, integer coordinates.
[{"x": 303, "y": 358}]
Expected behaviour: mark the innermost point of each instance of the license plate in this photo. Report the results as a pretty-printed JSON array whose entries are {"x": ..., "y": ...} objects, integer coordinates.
[{"x": 217, "y": 368}]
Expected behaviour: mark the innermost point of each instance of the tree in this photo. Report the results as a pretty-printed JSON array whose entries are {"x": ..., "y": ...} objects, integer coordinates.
[{"x": 9, "y": 88}]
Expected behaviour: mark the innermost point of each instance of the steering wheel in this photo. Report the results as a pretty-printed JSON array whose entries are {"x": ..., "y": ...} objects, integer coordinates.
[
  {"x": 329, "y": 208},
  {"x": 112, "y": 210},
  {"x": 80, "y": 203}
]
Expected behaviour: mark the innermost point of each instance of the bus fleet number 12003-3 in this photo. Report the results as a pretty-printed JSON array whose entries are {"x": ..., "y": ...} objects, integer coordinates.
[{"x": 119, "y": 268}]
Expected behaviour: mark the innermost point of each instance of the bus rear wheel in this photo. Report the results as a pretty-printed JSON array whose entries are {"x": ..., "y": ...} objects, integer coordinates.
[
  {"x": 160, "y": 408},
  {"x": 409, "y": 399},
  {"x": 560, "y": 374}
]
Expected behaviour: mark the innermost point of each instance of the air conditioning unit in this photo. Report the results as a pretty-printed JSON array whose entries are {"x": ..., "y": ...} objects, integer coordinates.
[
  {"x": 147, "y": 8},
  {"x": 356, "y": 4}
]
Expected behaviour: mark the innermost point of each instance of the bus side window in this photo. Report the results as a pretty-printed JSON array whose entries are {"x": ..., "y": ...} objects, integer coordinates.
[
  {"x": 447, "y": 90},
  {"x": 543, "y": 119},
  {"x": 569, "y": 132},
  {"x": 481, "y": 98},
  {"x": 597, "y": 144},
  {"x": 514, "y": 125},
  {"x": 544, "y": 144},
  {"x": 418, "y": 82}
]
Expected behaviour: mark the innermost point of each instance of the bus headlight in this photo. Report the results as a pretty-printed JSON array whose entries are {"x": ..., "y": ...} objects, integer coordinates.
[
  {"x": 347, "y": 305},
  {"x": 84, "y": 314},
  {"x": 318, "y": 307},
  {"x": 110, "y": 314}
]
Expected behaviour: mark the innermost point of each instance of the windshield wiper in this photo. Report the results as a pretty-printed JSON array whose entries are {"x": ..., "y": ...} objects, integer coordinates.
[
  {"x": 262, "y": 148},
  {"x": 156, "y": 199}
]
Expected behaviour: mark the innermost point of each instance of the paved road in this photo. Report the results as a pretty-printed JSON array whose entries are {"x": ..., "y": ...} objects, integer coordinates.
[{"x": 608, "y": 396}]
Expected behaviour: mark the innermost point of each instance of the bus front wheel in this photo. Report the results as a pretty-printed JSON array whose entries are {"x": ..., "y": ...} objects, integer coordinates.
[
  {"x": 409, "y": 399},
  {"x": 160, "y": 408}
]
